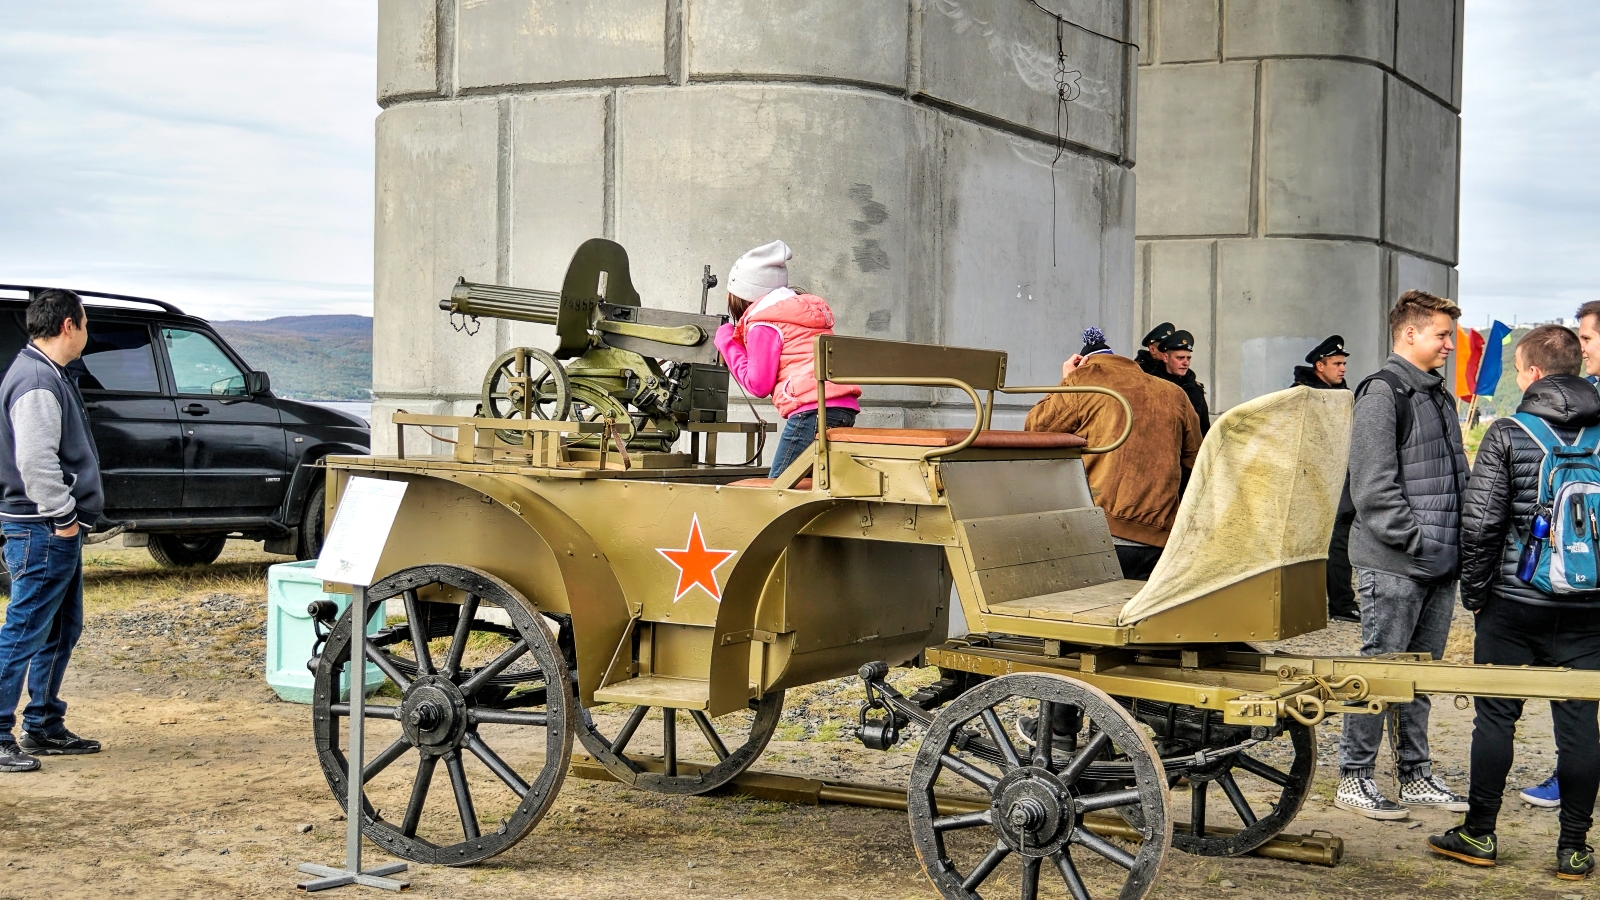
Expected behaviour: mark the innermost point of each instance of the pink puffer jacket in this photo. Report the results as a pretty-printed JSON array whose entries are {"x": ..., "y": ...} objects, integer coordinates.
[{"x": 799, "y": 318}]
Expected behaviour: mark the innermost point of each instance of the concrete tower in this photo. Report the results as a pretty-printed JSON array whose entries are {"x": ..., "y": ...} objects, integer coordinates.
[
  {"x": 1298, "y": 169},
  {"x": 906, "y": 149}
]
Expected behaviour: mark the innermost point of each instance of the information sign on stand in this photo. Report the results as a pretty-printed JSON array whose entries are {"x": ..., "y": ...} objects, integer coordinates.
[{"x": 350, "y": 556}]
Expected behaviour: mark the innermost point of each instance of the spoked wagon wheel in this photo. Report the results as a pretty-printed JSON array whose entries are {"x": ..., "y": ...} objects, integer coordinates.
[
  {"x": 526, "y": 383},
  {"x": 1281, "y": 769},
  {"x": 1038, "y": 797},
  {"x": 710, "y": 761},
  {"x": 491, "y": 702}
]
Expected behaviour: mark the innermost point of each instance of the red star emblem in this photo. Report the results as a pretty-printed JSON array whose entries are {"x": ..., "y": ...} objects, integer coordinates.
[{"x": 696, "y": 564}]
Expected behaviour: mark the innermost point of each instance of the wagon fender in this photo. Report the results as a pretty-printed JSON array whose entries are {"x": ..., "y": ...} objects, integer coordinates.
[
  {"x": 600, "y": 616},
  {"x": 729, "y": 687}
]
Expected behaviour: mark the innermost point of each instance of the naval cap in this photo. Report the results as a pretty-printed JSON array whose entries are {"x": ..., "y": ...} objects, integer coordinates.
[
  {"x": 1333, "y": 346},
  {"x": 1157, "y": 334},
  {"x": 1178, "y": 340}
]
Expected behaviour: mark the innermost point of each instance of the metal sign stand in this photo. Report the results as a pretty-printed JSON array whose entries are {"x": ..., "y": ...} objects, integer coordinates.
[{"x": 355, "y": 786}]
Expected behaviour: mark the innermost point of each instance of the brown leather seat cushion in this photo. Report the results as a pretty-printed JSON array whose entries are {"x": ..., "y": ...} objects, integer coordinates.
[
  {"x": 803, "y": 485},
  {"x": 946, "y": 437}
]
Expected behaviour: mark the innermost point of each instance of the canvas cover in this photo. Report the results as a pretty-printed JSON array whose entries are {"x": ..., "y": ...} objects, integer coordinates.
[{"x": 1264, "y": 494}]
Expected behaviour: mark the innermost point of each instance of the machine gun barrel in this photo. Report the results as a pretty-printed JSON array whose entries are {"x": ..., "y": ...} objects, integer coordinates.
[{"x": 501, "y": 302}]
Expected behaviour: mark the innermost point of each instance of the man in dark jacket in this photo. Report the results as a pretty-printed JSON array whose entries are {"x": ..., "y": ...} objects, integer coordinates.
[
  {"x": 1150, "y": 359},
  {"x": 1324, "y": 370},
  {"x": 1519, "y": 625},
  {"x": 1325, "y": 365},
  {"x": 49, "y": 495},
  {"x": 1407, "y": 472},
  {"x": 1177, "y": 351}
]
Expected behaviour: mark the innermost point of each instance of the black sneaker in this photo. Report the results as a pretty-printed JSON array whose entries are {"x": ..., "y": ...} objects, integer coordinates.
[
  {"x": 1574, "y": 863},
  {"x": 1457, "y": 844},
  {"x": 12, "y": 759},
  {"x": 1354, "y": 617},
  {"x": 62, "y": 743}
]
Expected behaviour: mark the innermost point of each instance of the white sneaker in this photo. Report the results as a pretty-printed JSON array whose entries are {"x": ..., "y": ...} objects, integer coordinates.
[
  {"x": 1362, "y": 797},
  {"x": 1431, "y": 791}
]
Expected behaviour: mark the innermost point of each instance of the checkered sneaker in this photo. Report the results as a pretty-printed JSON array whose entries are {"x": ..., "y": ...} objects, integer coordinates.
[
  {"x": 1362, "y": 797},
  {"x": 1430, "y": 790}
]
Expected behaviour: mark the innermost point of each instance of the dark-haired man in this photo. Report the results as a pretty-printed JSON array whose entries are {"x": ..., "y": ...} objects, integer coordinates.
[
  {"x": 1407, "y": 473},
  {"x": 1177, "y": 354},
  {"x": 1324, "y": 370},
  {"x": 1516, "y": 623},
  {"x": 49, "y": 494},
  {"x": 1325, "y": 365},
  {"x": 1150, "y": 359}
]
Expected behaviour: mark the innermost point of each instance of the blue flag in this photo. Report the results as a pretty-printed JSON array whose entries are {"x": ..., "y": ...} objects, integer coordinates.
[{"x": 1489, "y": 369}]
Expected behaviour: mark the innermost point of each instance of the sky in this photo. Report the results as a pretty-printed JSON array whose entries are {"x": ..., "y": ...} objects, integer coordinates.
[{"x": 219, "y": 154}]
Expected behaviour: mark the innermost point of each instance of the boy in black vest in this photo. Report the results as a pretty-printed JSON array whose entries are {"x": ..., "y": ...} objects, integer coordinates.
[
  {"x": 1407, "y": 473},
  {"x": 1517, "y": 624}
]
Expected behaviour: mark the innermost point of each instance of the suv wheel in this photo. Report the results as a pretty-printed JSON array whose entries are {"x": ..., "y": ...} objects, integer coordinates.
[
  {"x": 311, "y": 523},
  {"x": 177, "y": 551}
]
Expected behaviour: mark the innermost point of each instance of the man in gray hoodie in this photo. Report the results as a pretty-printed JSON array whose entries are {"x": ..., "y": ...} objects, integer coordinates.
[
  {"x": 49, "y": 496},
  {"x": 1407, "y": 474}
]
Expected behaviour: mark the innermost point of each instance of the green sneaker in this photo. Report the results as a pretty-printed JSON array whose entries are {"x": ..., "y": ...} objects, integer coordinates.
[
  {"x": 1457, "y": 844},
  {"x": 1574, "y": 863}
]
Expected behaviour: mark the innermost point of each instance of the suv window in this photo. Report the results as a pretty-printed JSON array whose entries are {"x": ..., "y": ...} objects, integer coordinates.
[
  {"x": 199, "y": 366},
  {"x": 119, "y": 357}
]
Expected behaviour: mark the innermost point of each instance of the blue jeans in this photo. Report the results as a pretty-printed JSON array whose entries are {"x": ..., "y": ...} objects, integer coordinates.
[
  {"x": 800, "y": 432},
  {"x": 1398, "y": 615},
  {"x": 42, "y": 625}
]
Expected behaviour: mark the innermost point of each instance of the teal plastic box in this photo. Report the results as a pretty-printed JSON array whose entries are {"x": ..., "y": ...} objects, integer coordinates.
[{"x": 291, "y": 587}]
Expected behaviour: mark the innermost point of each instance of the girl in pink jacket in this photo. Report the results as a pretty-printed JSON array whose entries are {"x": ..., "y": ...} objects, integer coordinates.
[{"x": 770, "y": 345}]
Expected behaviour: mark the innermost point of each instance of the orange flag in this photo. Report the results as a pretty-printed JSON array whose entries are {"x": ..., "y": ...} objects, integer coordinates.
[{"x": 1469, "y": 355}]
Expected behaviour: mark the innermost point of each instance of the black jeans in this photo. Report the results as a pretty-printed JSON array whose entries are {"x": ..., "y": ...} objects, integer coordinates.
[
  {"x": 1341, "y": 593},
  {"x": 1517, "y": 634},
  {"x": 1137, "y": 562}
]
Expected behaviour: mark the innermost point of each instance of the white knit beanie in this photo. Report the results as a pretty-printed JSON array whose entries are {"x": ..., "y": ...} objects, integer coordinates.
[{"x": 760, "y": 271}]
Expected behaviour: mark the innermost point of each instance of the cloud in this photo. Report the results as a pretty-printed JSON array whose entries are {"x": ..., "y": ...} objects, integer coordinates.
[
  {"x": 218, "y": 156},
  {"x": 1530, "y": 159}
]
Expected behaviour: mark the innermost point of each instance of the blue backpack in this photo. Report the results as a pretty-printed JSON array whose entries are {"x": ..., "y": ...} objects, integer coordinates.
[{"x": 1569, "y": 494}]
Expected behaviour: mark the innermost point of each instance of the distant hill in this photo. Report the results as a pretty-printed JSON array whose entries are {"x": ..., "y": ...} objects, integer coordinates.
[{"x": 308, "y": 357}]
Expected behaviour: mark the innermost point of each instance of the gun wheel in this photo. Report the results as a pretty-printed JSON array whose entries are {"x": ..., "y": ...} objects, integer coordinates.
[
  {"x": 699, "y": 765},
  {"x": 1262, "y": 788},
  {"x": 526, "y": 383},
  {"x": 485, "y": 708},
  {"x": 1034, "y": 827}
]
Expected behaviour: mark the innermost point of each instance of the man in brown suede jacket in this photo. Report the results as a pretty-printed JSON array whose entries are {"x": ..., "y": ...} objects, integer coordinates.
[{"x": 1139, "y": 483}]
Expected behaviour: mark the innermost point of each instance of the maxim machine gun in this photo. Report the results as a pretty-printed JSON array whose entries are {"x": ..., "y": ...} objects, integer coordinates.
[{"x": 640, "y": 373}]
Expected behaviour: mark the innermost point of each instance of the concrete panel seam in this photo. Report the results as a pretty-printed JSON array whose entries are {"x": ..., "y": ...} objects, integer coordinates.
[
  {"x": 1356, "y": 60},
  {"x": 1456, "y": 53},
  {"x": 913, "y": 47},
  {"x": 1383, "y": 170},
  {"x": 1345, "y": 238},
  {"x": 1130, "y": 80},
  {"x": 1216, "y": 293},
  {"x": 1043, "y": 137},
  {"x": 612, "y": 151},
  {"x": 703, "y": 78},
  {"x": 677, "y": 54},
  {"x": 953, "y": 110},
  {"x": 540, "y": 87},
  {"x": 445, "y": 47},
  {"x": 504, "y": 160},
  {"x": 409, "y": 97},
  {"x": 1257, "y": 164}
]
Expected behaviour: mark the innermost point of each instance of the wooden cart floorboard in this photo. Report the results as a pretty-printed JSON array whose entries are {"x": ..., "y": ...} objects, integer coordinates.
[{"x": 1097, "y": 604}]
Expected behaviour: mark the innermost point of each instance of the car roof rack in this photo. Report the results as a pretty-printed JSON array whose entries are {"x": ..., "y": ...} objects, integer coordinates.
[{"x": 33, "y": 291}]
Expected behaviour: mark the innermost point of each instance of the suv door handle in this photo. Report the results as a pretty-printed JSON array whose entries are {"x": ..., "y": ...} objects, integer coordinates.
[
  {"x": 90, "y": 405},
  {"x": 197, "y": 409}
]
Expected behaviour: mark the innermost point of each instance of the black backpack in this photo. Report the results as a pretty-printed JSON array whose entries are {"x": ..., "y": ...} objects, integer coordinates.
[{"x": 1402, "y": 421}]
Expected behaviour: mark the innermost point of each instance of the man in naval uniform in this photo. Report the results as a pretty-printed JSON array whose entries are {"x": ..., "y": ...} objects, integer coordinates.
[
  {"x": 1324, "y": 370},
  {"x": 1150, "y": 359},
  {"x": 1177, "y": 351}
]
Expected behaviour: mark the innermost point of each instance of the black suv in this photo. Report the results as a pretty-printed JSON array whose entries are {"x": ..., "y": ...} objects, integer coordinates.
[{"x": 194, "y": 448}]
